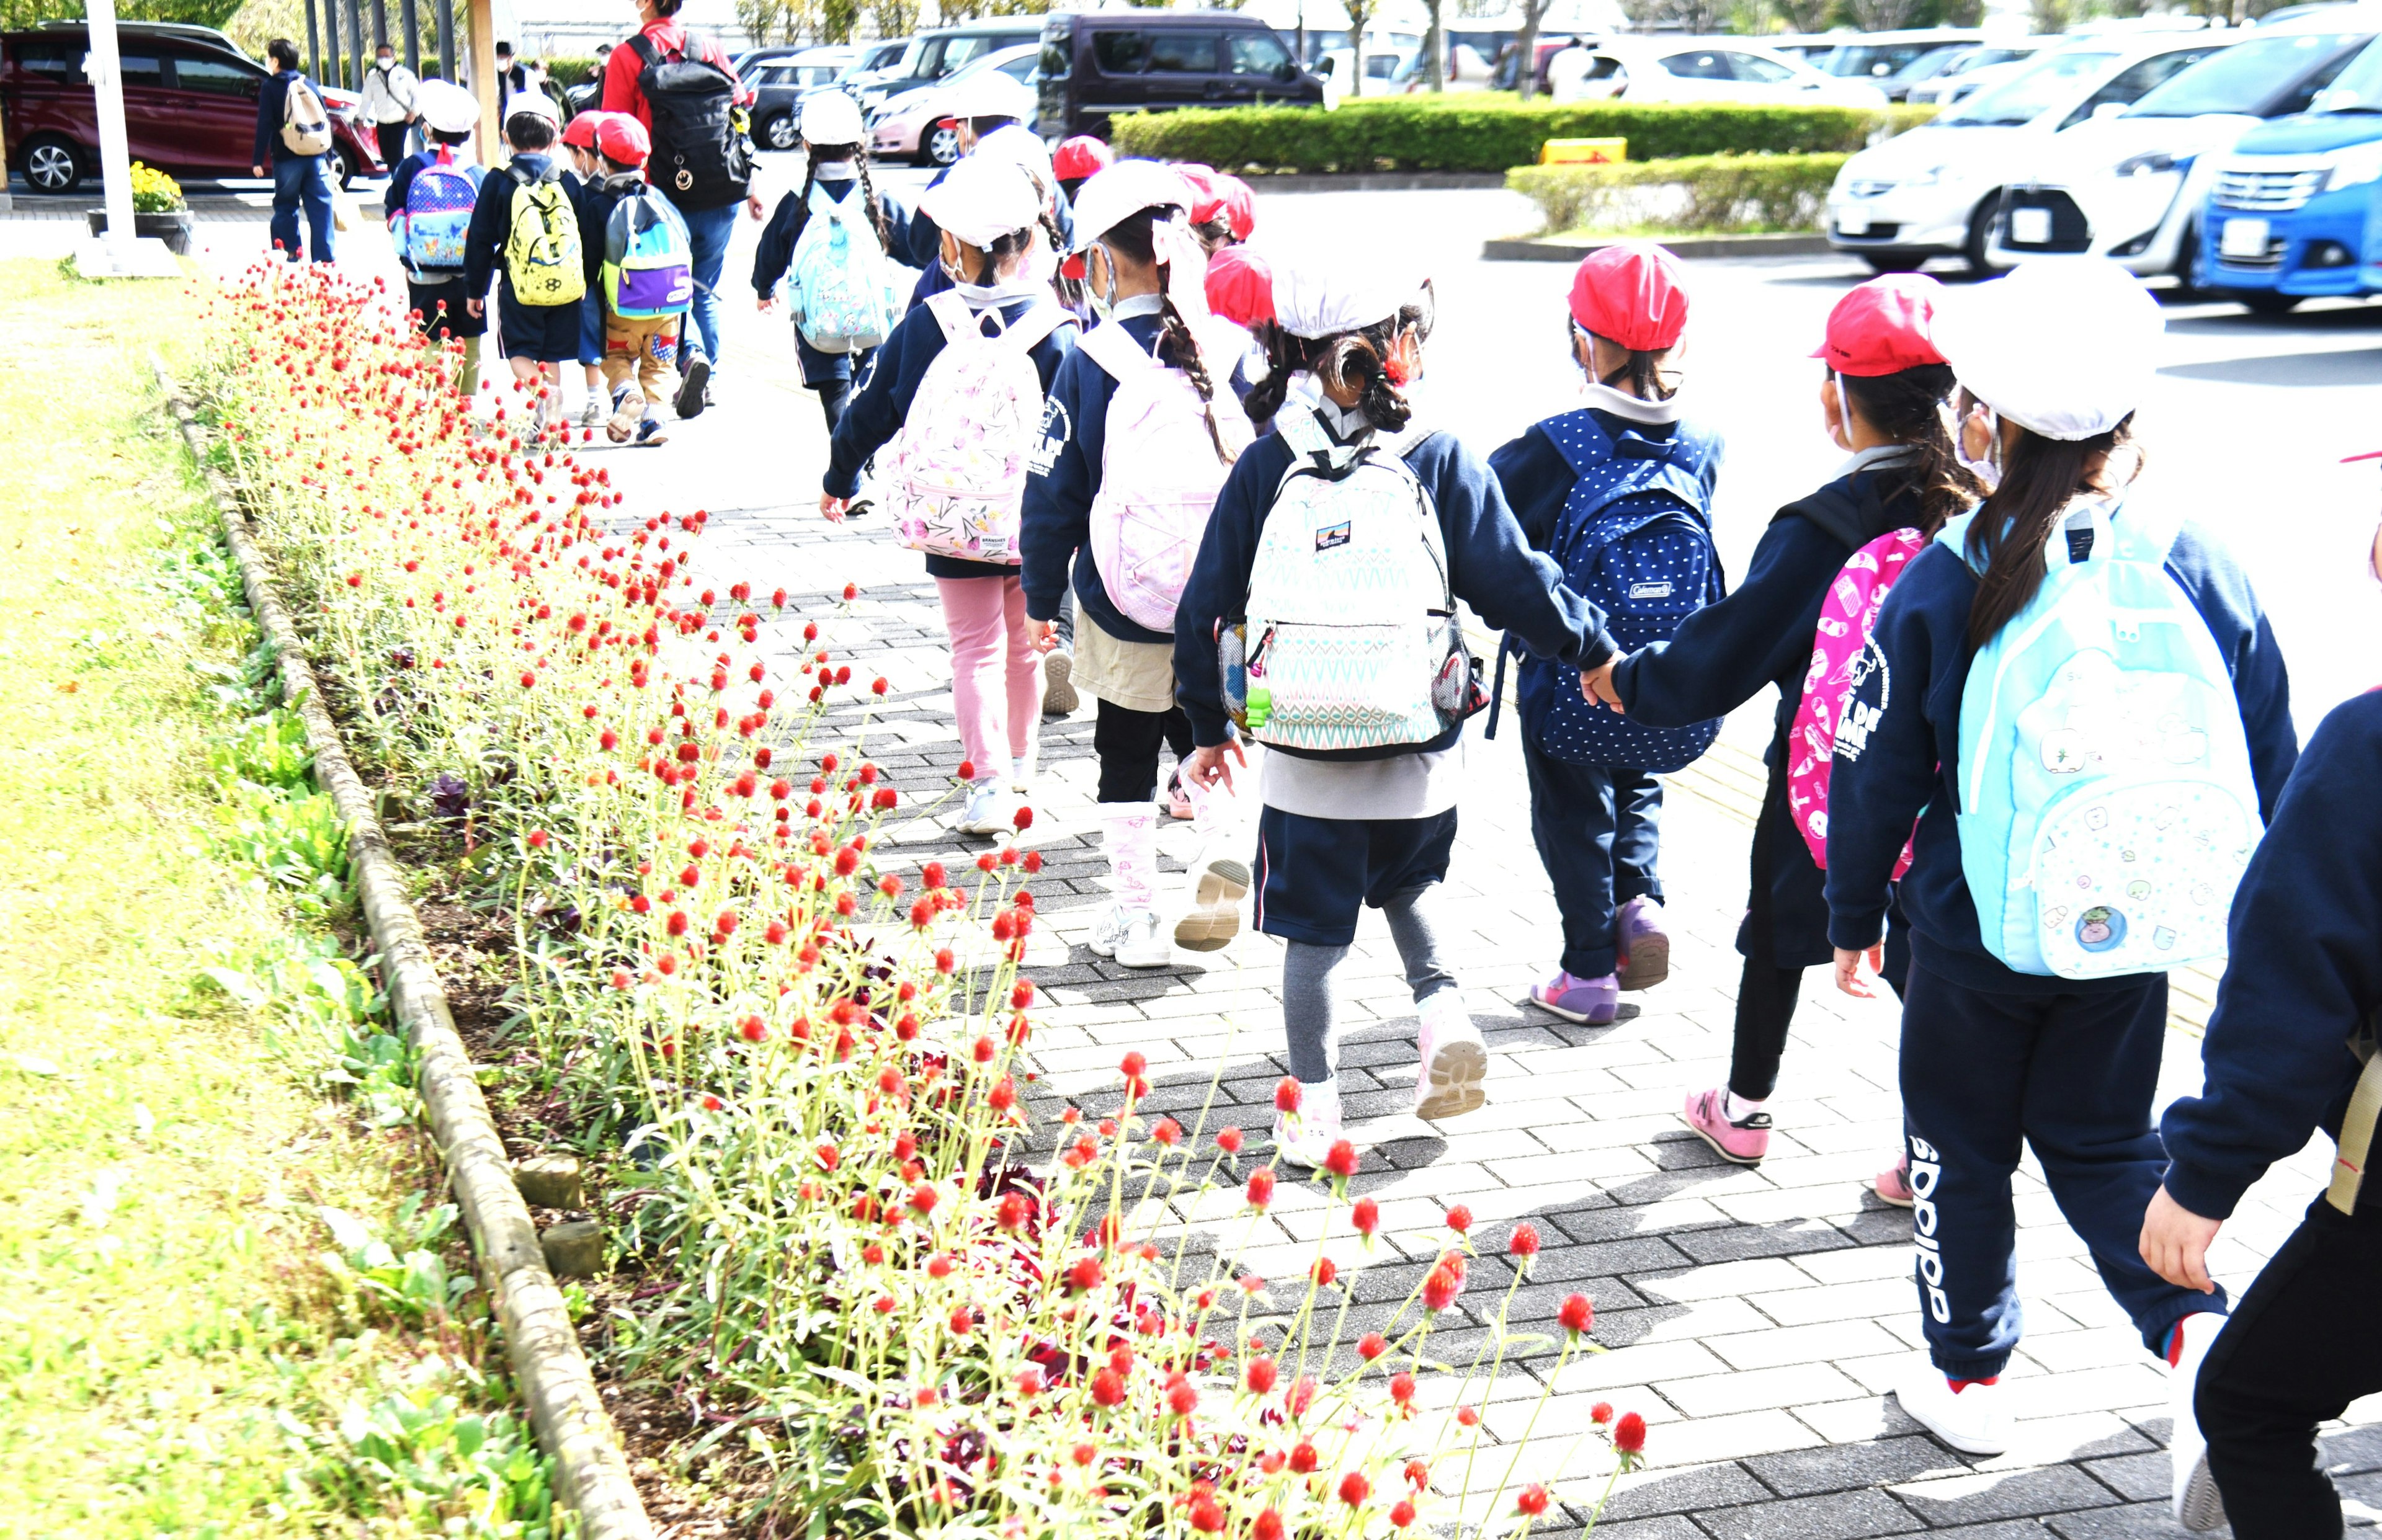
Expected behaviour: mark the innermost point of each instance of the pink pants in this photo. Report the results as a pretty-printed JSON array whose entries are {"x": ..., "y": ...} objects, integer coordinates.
[{"x": 986, "y": 617}]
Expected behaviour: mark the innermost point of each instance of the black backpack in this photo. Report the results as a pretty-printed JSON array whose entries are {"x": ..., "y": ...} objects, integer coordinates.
[{"x": 700, "y": 158}]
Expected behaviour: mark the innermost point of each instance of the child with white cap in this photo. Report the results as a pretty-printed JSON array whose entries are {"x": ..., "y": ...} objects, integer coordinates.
[
  {"x": 1136, "y": 441},
  {"x": 431, "y": 194},
  {"x": 2078, "y": 690},
  {"x": 955, "y": 396},
  {"x": 832, "y": 276},
  {"x": 1321, "y": 619}
]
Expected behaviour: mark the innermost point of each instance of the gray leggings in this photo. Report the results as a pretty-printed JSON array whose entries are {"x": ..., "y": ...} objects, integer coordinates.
[{"x": 1306, "y": 1004}]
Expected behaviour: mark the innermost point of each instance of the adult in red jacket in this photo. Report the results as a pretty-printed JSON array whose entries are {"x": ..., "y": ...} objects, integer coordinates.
[{"x": 707, "y": 229}]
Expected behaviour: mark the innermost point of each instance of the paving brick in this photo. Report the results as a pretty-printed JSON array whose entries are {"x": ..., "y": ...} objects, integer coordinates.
[
  {"x": 1842, "y": 1467},
  {"x": 1785, "y": 1345},
  {"x": 1837, "y": 1516},
  {"x": 1750, "y": 1390},
  {"x": 2004, "y": 1495},
  {"x": 1707, "y": 1486},
  {"x": 2135, "y": 1522}
]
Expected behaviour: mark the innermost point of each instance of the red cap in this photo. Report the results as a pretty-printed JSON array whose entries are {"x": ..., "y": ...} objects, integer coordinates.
[
  {"x": 1240, "y": 286},
  {"x": 2353, "y": 459},
  {"x": 1883, "y": 326},
  {"x": 1078, "y": 158},
  {"x": 1240, "y": 205},
  {"x": 621, "y": 140},
  {"x": 1631, "y": 293},
  {"x": 579, "y": 132},
  {"x": 1206, "y": 196}
]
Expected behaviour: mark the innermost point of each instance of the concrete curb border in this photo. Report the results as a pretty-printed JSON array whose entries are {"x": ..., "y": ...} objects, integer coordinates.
[
  {"x": 1524, "y": 248},
  {"x": 591, "y": 1474}
]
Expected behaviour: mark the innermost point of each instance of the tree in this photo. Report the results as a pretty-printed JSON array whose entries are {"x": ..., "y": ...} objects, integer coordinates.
[
  {"x": 776, "y": 20},
  {"x": 895, "y": 17},
  {"x": 1880, "y": 16},
  {"x": 15, "y": 14},
  {"x": 1359, "y": 13},
  {"x": 1434, "y": 44},
  {"x": 1804, "y": 15},
  {"x": 1526, "y": 48},
  {"x": 1697, "y": 16},
  {"x": 838, "y": 19}
]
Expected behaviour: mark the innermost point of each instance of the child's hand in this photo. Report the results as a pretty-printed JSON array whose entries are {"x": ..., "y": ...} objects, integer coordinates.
[
  {"x": 1850, "y": 978},
  {"x": 477, "y": 307},
  {"x": 1041, "y": 635},
  {"x": 764, "y": 303},
  {"x": 1596, "y": 685},
  {"x": 2175, "y": 1242},
  {"x": 832, "y": 507},
  {"x": 1208, "y": 766}
]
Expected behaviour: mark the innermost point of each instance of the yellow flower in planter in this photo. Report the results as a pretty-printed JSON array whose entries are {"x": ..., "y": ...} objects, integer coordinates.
[{"x": 154, "y": 191}]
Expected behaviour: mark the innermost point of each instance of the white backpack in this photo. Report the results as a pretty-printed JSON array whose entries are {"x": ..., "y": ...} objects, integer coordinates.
[
  {"x": 1352, "y": 640},
  {"x": 1160, "y": 475},
  {"x": 841, "y": 290},
  {"x": 955, "y": 474}
]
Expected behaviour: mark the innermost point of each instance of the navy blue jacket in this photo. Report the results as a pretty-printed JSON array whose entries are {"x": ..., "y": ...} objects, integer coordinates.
[
  {"x": 1058, "y": 493},
  {"x": 492, "y": 221},
  {"x": 1911, "y": 760},
  {"x": 775, "y": 252},
  {"x": 1490, "y": 565},
  {"x": 2306, "y": 971},
  {"x": 272, "y": 97},
  {"x": 878, "y": 408}
]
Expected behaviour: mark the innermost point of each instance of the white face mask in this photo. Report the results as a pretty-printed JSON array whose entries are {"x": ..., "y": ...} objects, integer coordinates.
[
  {"x": 1987, "y": 470},
  {"x": 1103, "y": 303}
]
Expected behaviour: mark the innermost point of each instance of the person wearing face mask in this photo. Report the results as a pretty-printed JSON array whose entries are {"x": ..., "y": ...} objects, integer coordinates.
[
  {"x": 1881, "y": 399},
  {"x": 1136, "y": 440},
  {"x": 2294, "y": 1016},
  {"x": 954, "y": 360},
  {"x": 2079, "y": 700},
  {"x": 1619, "y": 491},
  {"x": 391, "y": 100}
]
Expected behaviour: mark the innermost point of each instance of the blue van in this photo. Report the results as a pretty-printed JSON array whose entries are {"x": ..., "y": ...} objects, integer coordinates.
[{"x": 2288, "y": 216}]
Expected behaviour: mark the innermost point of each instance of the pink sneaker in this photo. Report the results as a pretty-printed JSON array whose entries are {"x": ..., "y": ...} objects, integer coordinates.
[
  {"x": 1744, "y": 1144},
  {"x": 1893, "y": 1184},
  {"x": 1594, "y": 1001},
  {"x": 1645, "y": 945}
]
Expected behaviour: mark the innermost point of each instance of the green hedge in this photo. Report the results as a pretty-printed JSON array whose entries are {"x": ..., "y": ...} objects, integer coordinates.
[
  {"x": 568, "y": 69},
  {"x": 1453, "y": 134},
  {"x": 1727, "y": 194}
]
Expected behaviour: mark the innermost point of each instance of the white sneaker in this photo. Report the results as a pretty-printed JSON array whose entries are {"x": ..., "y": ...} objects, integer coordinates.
[
  {"x": 592, "y": 412},
  {"x": 990, "y": 809},
  {"x": 1305, "y": 1137},
  {"x": 2198, "y": 1504},
  {"x": 1217, "y": 884},
  {"x": 1108, "y": 930},
  {"x": 1021, "y": 774},
  {"x": 1973, "y": 1421},
  {"x": 1142, "y": 942},
  {"x": 1454, "y": 1060}
]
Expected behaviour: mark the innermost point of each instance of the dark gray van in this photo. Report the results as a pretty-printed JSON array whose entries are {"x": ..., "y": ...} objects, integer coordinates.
[{"x": 1097, "y": 63}]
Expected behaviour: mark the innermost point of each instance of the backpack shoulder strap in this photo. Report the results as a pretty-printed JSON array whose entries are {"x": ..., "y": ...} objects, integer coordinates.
[
  {"x": 1835, "y": 512},
  {"x": 1117, "y": 352},
  {"x": 648, "y": 54},
  {"x": 1580, "y": 439},
  {"x": 2357, "y": 1124},
  {"x": 1027, "y": 331},
  {"x": 952, "y": 314}
]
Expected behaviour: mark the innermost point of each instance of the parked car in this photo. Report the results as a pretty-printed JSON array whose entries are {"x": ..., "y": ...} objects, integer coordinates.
[
  {"x": 2129, "y": 182},
  {"x": 1878, "y": 58},
  {"x": 1974, "y": 68},
  {"x": 189, "y": 105},
  {"x": 780, "y": 82},
  {"x": 2286, "y": 218},
  {"x": 914, "y": 124},
  {"x": 932, "y": 55},
  {"x": 1810, "y": 47},
  {"x": 1936, "y": 190},
  {"x": 1468, "y": 70},
  {"x": 1097, "y": 63},
  {"x": 1658, "y": 69},
  {"x": 1384, "y": 71}
]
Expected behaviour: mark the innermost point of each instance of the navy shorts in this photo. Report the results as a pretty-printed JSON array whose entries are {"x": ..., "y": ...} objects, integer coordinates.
[{"x": 1314, "y": 874}]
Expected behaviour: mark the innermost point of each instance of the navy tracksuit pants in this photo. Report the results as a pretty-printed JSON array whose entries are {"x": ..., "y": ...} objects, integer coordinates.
[
  {"x": 2071, "y": 1074},
  {"x": 1598, "y": 828}
]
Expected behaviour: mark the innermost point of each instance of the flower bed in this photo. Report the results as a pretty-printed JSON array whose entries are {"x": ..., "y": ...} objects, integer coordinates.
[
  {"x": 903, "y": 1291},
  {"x": 1727, "y": 194}
]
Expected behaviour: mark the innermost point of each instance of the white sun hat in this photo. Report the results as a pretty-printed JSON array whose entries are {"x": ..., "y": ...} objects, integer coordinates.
[
  {"x": 980, "y": 200},
  {"x": 447, "y": 108},
  {"x": 1021, "y": 147},
  {"x": 831, "y": 117},
  {"x": 1122, "y": 190},
  {"x": 2065, "y": 347},
  {"x": 989, "y": 93},
  {"x": 1321, "y": 294}
]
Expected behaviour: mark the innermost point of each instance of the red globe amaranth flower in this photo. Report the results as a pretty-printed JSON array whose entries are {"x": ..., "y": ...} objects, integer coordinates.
[
  {"x": 1108, "y": 1388},
  {"x": 1600, "y": 1413},
  {"x": 1229, "y": 1141},
  {"x": 1366, "y": 1217},
  {"x": 1260, "y": 1188},
  {"x": 1267, "y": 1527},
  {"x": 1459, "y": 1219},
  {"x": 1024, "y": 818},
  {"x": 1341, "y": 1159},
  {"x": 1524, "y": 1241},
  {"x": 1402, "y": 1389},
  {"x": 923, "y": 1199},
  {"x": 1324, "y": 1272},
  {"x": 1084, "y": 1277},
  {"x": 1401, "y": 1514},
  {"x": 1303, "y": 1458},
  {"x": 1577, "y": 1315},
  {"x": 1259, "y": 1375},
  {"x": 963, "y": 1321},
  {"x": 1532, "y": 1501},
  {"x": 1286, "y": 1095},
  {"x": 1468, "y": 1415},
  {"x": 1182, "y": 1398},
  {"x": 1354, "y": 1489},
  {"x": 1206, "y": 1517},
  {"x": 1629, "y": 1433},
  {"x": 1371, "y": 1346},
  {"x": 1441, "y": 1286}
]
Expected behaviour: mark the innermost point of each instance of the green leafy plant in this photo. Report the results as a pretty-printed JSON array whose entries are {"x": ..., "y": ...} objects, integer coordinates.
[
  {"x": 413, "y": 1288},
  {"x": 296, "y": 843},
  {"x": 1454, "y": 134},
  {"x": 1723, "y": 193},
  {"x": 419, "y": 1455},
  {"x": 268, "y": 750}
]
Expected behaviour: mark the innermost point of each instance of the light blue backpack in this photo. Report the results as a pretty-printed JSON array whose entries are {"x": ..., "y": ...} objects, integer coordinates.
[
  {"x": 840, "y": 293},
  {"x": 2107, "y": 807}
]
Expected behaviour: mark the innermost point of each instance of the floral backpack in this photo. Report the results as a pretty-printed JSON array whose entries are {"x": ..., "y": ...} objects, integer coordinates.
[
  {"x": 955, "y": 473},
  {"x": 1831, "y": 720}
]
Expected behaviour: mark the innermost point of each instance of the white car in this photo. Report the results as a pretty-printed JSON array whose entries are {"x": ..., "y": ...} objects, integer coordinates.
[
  {"x": 2129, "y": 183},
  {"x": 1383, "y": 70},
  {"x": 913, "y": 124},
  {"x": 1976, "y": 69},
  {"x": 1658, "y": 69},
  {"x": 1934, "y": 190}
]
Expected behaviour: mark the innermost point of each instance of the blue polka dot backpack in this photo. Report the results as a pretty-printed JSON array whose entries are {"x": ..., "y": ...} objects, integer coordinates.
[{"x": 1635, "y": 540}]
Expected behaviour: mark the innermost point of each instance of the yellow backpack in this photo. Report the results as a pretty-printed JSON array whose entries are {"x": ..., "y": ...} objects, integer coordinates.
[{"x": 543, "y": 254}]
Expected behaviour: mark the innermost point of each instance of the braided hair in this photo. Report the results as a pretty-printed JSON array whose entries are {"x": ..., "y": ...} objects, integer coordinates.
[
  {"x": 1359, "y": 358},
  {"x": 1070, "y": 291},
  {"x": 1640, "y": 374},
  {"x": 1015, "y": 244},
  {"x": 858, "y": 155},
  {"x": 1134, "y": 238}
]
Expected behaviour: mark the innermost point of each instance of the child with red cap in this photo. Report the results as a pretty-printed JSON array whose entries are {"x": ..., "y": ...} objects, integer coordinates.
[
  {"x": 1619, "y": 492},
  {"x": 1881, "y": 401},
  {"x": 1077, "y": 161},
  {"x": 640, "y": 349}
]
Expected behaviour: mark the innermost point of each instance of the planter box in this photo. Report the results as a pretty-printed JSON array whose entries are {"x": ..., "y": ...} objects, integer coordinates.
[{"x": 173, "y": 228}]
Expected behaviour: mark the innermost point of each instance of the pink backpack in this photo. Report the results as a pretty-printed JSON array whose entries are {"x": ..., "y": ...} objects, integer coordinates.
[{"x": 1842, "y": 657}]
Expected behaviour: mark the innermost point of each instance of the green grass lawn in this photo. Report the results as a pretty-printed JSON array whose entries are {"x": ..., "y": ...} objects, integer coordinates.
[{"x": 175, "y": 1355}]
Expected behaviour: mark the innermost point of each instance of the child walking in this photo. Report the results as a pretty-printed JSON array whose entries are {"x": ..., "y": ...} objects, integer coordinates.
[
  {"x": 2080, "y": 693},
  {"x": 842, "y": 293},
  {"x": 1135, "y": 444},
  {"x": 525, "y": 232},
  {"x": 431, "y": 196},
  {"x": 957, "y": 393},
  {"x": 641, "y": 275},
  {"x": 1619, "y": 493},
  {"x": 1348, "y": 516},
  {"x": 2304, "y": 983},
  {"x": 1883, "y": 398},
  {"x": 582, "y": 168}
]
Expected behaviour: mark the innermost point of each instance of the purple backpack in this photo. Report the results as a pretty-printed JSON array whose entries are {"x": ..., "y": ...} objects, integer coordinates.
[{"x": 1830, "y": 722}]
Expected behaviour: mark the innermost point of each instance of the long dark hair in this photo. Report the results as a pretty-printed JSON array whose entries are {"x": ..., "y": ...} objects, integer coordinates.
[
  {"x": 1907, "y": 407},
  {"x": 987, "y": 271},
  {"x": 2040, "y": 477},
  {"x": 1135, "y": 239},
  {"x": 1358, "y": 358},
  {"x": 858, "y": 155},
  {"x": 1641, "y": 371}
]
